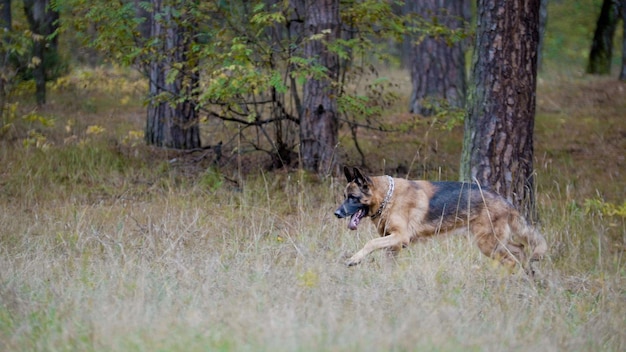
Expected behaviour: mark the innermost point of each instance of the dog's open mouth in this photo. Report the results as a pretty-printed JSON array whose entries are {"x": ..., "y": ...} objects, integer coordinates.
[{"x": 355, "y": 219}]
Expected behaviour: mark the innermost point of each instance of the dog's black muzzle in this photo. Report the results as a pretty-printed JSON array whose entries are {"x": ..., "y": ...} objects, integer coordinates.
[
  {"x": 349, "y": 208},
  {"x": 341, "y": 212}
]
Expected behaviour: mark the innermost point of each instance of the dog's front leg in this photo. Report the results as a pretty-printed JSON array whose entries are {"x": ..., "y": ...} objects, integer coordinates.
[{"x": 393, "y": 241}]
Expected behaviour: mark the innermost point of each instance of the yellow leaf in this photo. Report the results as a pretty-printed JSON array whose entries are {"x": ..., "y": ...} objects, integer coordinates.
[
  {"x": 35, "y": 61},
  {"x": 95, "y": 129}
]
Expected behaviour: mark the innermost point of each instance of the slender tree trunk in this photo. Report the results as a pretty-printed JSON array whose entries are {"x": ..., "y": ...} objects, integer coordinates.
[
  {"x": 438, "y": 66},
  {"x": 295, "y": 31},
  {"x": 5, "y": 20},
  {"x": 602, "y": 44},
  {"x": 622, "y": 75},
  {"x": 172, "y": 119},
  {"x": 319, "y": 122},
  {"x": 498, "y": 141},
  {"x": 5, "y": 24},
  {"x": 43, "y": 22}
]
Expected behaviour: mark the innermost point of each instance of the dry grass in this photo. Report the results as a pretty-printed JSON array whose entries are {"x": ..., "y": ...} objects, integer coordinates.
[
  {"x": 255, "y": 269},
  {"x": 109, "y": 246}
]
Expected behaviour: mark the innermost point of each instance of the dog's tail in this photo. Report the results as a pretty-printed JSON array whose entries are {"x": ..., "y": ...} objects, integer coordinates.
[
  {"x": 539, "y": 245},
  {"x": 533, "y": 240}
]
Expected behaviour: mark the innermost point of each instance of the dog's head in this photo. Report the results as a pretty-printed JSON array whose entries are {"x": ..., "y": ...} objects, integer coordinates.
[{"x": 357, "y": 197}]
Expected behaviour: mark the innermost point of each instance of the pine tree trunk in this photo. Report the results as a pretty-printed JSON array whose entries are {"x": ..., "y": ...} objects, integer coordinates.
[
  {"x": 319, "y": 125},
  {"x": 602, "y": 44},
  {"x": 543, "y": 22},
  {"x": 498, "y": 141},
  {"x": 438, "y": 67},
  {"x": 172, "y": 122}
]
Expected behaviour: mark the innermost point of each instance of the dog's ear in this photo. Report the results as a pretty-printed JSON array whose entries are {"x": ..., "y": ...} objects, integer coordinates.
[
  {"x": 361, "y": 179},
  {"x": 348, "y": 173}
]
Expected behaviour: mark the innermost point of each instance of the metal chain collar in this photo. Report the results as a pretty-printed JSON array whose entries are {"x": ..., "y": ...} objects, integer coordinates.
[{"x": 387, "y": 197}]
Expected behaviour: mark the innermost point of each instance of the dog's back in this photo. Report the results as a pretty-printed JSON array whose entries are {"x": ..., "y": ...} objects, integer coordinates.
[{"x": 500, "y": 231}]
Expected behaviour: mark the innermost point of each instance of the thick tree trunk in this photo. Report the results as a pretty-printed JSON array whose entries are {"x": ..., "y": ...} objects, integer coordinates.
[
  {"x": 543, "y": 22},
  {"x": 498, "y": 142},
  {"x": 602, "y": 44},
  {"x": 43, "y": 22},
  {"x": 319, "y": 125},
  {"x": 438, "y": 67},
  {"x": 172, "y": 122}
]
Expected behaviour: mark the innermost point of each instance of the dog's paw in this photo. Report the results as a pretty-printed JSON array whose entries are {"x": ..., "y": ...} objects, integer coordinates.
[{"x": 353, "y": 261}]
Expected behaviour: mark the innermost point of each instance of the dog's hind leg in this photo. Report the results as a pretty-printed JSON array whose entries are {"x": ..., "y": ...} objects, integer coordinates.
[
  {"x": 493, "y": 248},
  {"x": 493, "y": 237},
  {"x": 511, "y": 241}
]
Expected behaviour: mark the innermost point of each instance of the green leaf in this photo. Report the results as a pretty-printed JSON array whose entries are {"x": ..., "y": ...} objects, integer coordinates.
[{"x": 172, "y": 74}]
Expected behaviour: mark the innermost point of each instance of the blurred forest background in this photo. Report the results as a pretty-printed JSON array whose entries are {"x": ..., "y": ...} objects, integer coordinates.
[{"x": 227, "y": 80}]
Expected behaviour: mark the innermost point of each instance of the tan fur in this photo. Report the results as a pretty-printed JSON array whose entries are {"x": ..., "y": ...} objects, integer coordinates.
[{"x": 500, "y": 232}]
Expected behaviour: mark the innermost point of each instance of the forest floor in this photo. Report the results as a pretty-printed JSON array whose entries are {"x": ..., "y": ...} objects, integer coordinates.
[{"x": 106, "y": 244}]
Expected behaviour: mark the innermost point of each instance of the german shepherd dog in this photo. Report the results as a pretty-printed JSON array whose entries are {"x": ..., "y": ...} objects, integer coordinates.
[{"x": 404, "y": 211}]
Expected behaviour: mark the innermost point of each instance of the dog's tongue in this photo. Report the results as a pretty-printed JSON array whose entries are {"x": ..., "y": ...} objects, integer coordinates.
[{"x": 355, "y": 219}]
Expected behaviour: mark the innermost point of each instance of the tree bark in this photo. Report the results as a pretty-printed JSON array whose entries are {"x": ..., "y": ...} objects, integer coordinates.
[
  {"x": 43, "y": 21},
  {"x": 602, "y": 44},
  {"x": 319, "y": 122},
  {"x": 438, "y": 67},
  {"x": 543, "y": 22},
  {"x": 498, "y": 141},
  {"x": 172, "y": 118}
]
